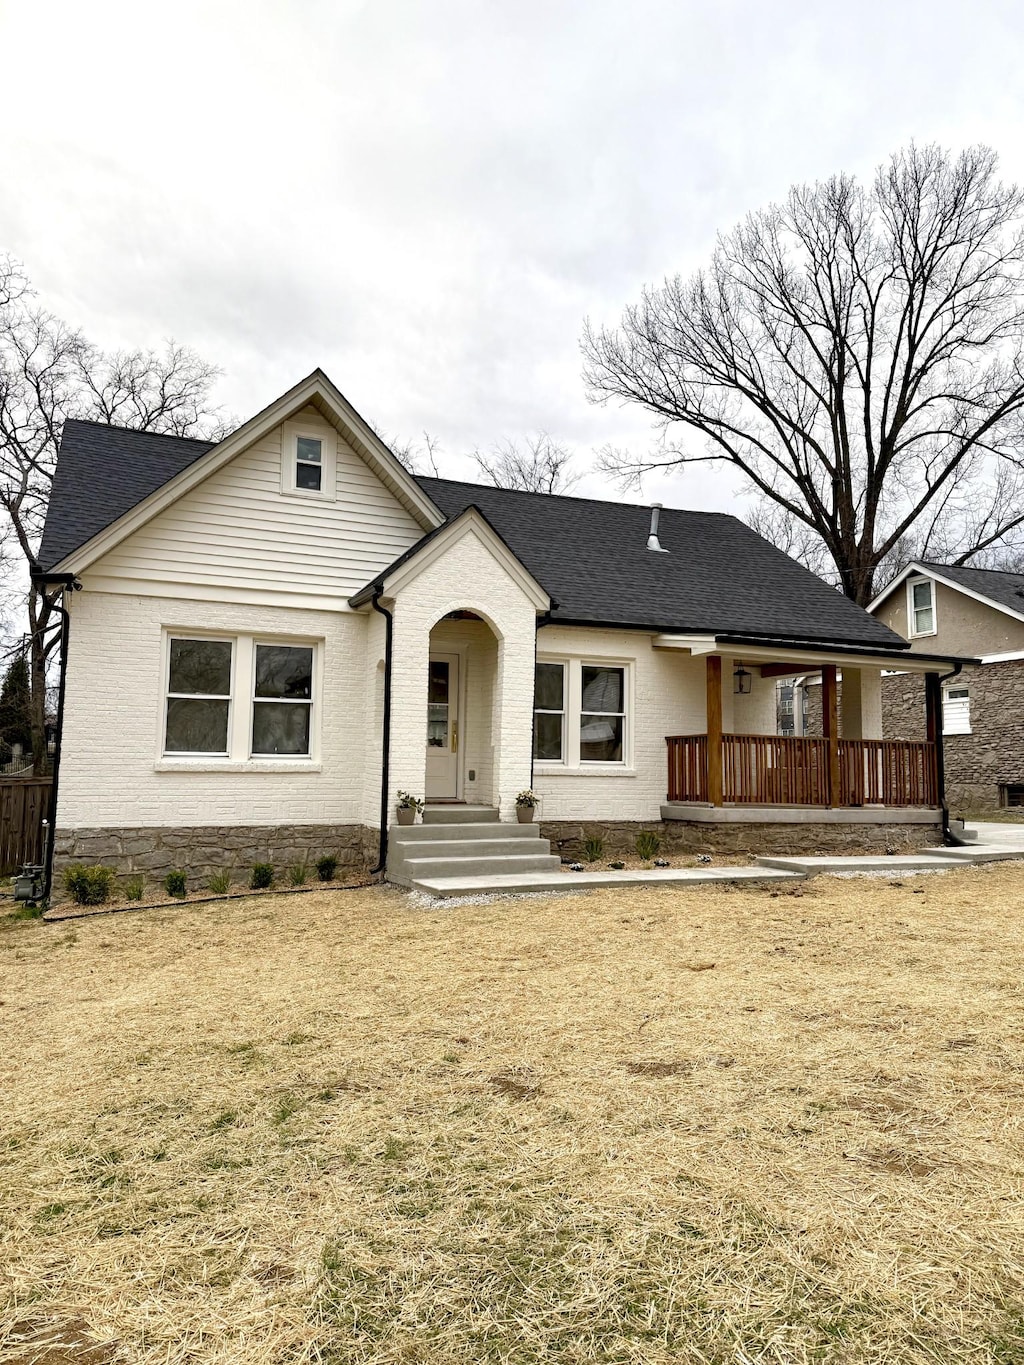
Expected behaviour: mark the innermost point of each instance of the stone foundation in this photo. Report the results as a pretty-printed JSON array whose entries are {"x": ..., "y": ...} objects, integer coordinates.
[
  {"x": 679, "y": 836},
  {"x": 202, "y": 851}
]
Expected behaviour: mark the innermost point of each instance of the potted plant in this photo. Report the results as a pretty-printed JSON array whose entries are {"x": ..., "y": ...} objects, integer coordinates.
[
  {"x": 525, "y": 804},
  {"x": 407, "y": 807}
]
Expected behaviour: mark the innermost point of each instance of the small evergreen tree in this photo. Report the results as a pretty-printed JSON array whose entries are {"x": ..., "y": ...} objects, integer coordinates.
[{"x": 16, "y": 707}]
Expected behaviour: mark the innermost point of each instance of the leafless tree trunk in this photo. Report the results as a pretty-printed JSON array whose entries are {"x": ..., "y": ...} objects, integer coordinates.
[
  {"x": 858, "y": 354},
  {"x": 48, "y": 373},
  {"x": 537, "y": 464}
]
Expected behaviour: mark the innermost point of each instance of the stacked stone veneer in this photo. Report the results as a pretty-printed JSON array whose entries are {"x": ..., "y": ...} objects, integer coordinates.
[
  {"x": 569, "y": 837},
  {"x": 978, "y": 764},
  {"x": 201, "y": 851}
]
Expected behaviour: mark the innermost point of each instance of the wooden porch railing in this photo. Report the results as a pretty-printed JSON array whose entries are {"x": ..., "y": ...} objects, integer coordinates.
[{"x": 776, "y": 770}]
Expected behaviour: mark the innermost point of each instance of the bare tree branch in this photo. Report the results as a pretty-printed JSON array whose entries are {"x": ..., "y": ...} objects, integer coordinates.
[
  {"x": 537, "y": 464},
  {"x": 858, "y": 354}
]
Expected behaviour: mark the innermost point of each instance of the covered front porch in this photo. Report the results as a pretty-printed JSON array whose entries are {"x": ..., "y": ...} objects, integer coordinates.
[{"x": 848, "y": 767}]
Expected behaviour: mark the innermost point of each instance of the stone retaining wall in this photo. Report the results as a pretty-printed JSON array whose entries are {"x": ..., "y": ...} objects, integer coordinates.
[
  {"x": 679, "y": 836},
  {"x": 201, "y": 851}
]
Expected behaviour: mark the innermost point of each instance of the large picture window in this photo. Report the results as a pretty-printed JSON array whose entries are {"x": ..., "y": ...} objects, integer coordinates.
[
  {"x": 198, "y": 697},
  {"x": 239, "y": 699},
  {"x": 581, "y": 713}
]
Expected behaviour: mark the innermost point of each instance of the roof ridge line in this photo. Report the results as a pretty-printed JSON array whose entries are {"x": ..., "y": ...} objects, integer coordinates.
[
  {"x": 572, "y": 497},
  {"x": 972, "y": 568},
  {"x": 141, "y": 431}
]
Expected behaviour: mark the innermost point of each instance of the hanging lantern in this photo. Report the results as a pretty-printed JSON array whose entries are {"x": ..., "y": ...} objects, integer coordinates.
[{"x": 741, "y": 680}]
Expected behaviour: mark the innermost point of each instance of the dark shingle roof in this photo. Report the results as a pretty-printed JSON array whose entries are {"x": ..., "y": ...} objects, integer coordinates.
[
  {"x": 591, "y": 557},
  {"x": 103, "y": 472},
  {"x": 719, "y": 576},
  {"x": 1005, "y": 589}
]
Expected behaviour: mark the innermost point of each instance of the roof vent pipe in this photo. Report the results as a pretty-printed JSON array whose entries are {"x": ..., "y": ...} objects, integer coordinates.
[{"x": 653, "y": 543}]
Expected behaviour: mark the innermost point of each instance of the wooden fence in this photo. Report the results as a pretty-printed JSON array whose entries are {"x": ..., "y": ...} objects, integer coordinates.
[{"x": 24, "y": 803}]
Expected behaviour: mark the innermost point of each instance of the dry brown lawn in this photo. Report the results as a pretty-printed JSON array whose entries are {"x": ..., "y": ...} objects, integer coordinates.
[{"x": 659, "y": 1126}]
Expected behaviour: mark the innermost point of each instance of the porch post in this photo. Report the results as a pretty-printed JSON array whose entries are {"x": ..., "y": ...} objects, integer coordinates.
[
  {"x": 933, "y": 734},
  {"x": 713, "y": 664},
  {"x": 830, "y": 729}
]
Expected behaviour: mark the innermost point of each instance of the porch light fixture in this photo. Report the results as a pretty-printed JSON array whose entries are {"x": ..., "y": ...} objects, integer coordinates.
[{"x": 741, "y": 680}]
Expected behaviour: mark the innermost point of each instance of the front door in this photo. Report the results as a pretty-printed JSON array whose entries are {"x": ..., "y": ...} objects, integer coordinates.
[{"x": 443, "y": 728}]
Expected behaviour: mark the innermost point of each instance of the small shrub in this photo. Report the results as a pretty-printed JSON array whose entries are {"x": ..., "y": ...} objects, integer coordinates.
[
  {"x": 617, "y": 866},
  {"x": 326, "y": 867},
  {"x": 593, "y": 849},
  {"x": 134, "y": 887},
  {"x": 176, "y": 884},
  {"x": 298, "y": 874},
  {"x": 262, "y": 876},
  {"x": 220, "y": 883},
  {"x": 89, "y": 885},
  {"x": 647, "y": 845}
]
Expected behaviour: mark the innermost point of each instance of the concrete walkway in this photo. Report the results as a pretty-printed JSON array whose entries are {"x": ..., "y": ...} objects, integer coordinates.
[{"x": 995, "y": 843}]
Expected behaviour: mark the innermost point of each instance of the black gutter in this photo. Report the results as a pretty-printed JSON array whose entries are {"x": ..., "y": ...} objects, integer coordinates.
[
  {"x": 385, "y": 760},
  {"x": 66, "y": 581},
  {"x": 935, "y": 681}
]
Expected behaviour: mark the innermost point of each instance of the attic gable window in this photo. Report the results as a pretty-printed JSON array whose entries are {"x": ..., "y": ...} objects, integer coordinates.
[
  {"x": 308, "y": 463},
  {"x": 921, "y": 606},
  {"x": 309, "y": 454}
]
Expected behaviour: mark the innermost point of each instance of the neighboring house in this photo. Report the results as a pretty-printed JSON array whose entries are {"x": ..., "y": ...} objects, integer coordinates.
[
  {"x": 977, "y": 613},
  {"x": 269, "y": 637}
]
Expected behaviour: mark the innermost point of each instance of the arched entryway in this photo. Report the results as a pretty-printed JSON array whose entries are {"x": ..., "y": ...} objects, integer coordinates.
[{"x": 461, "y": 697}]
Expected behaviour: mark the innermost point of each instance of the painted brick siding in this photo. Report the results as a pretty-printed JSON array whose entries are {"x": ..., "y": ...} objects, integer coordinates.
[
  {"x": 114, "y": 710},
  {"x": 976, "y": 764},
  {"x": 669, "y": 691}
]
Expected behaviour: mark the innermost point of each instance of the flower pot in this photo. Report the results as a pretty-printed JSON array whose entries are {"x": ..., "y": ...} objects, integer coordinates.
[
  {"x": 524, "y": 814},
  {"x": 406, "y": 815}
]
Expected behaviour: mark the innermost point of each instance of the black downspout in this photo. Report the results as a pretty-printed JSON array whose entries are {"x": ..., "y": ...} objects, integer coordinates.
[
  {"x": 385, "y": 761},
  {"x": 65, "y": 635},
  {"x": 936, "y": 680}
]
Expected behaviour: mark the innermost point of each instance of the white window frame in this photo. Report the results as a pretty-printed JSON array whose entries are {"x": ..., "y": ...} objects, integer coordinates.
[
  {"x": 255, "y": 701},
  {"x": 170, "y": 636},
  {"x": 948, "y": 700},
  {"x": 239, "y": 757},
  {"x": 547, "y": 711},
  {"x": 912, "y": 632},
  {"x": 572, "y": 698},
  {"x": 290, "y": 433}
]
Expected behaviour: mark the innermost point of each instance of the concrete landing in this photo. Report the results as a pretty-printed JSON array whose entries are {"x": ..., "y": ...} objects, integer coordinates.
[
  {"x": 587, "y": 881},
  {"x": 932, "y": 861},
  {"x": 978, "y": 853}
]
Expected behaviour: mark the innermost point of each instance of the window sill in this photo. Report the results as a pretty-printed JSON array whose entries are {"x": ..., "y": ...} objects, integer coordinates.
[
  {"x": 233, "y": 765},
  {"x": 583, "y": 770}
]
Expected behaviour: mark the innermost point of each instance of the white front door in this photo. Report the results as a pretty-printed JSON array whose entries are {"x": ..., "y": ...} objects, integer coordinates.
[{"x": 443, "y": 728}]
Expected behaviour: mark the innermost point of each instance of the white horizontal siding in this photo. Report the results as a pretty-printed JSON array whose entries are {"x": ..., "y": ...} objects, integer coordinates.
[{"x": 237, "y": 529}]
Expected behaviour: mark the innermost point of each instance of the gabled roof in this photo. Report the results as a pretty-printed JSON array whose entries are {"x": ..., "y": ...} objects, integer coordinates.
[
  {"x": 1002, "y": 590},
  {"x": 110, "y": 481},
  {"x": 718, "y": 576},
  {"x": 418, "y": 556}
]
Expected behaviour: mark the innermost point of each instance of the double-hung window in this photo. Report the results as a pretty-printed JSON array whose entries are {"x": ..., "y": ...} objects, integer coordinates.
[
  {"x": 282, "y": 701},
  {"x": 602, "y": 713},
  {"x": 309, "y": 470},
  {"x": 922, "y": 607},
  {"x": 581, "y": 713},
  {"x": 197, "y": 714},
  {"x": 239, "y": 699}
]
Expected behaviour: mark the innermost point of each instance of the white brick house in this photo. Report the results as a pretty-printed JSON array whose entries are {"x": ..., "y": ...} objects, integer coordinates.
[{"x": 270, "y": 636}]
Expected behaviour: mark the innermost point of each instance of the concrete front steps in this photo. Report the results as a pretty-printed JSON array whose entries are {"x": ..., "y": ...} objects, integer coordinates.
[{"x": 460, "y": 843}]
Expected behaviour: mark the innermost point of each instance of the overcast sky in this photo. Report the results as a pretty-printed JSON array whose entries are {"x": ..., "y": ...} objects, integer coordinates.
[{"x": 426, "y": 199}]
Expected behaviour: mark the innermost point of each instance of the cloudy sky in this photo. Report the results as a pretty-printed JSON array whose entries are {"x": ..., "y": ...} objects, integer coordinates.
[{"x": 426, "y": 199}]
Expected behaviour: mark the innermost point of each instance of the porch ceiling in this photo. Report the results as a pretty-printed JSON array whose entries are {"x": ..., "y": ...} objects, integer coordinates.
[{"x": 806, "y": 659}]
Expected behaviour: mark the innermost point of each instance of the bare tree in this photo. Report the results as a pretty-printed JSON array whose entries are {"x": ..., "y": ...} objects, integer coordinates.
[
  {"x": 48, "y": 373},
  {"x": 419, "y": 457},
  {"x": 858, "y": 354},
  {"x": 537, "y": 464}
]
